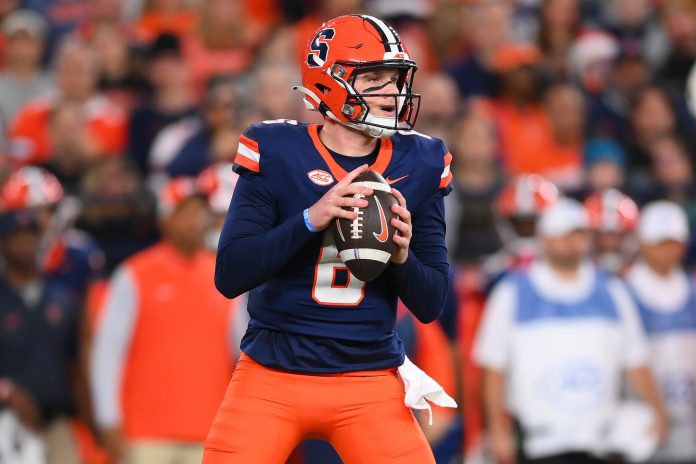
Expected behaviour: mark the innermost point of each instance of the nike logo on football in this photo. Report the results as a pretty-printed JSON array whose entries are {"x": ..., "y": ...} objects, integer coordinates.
[
  {"x": 384, "y": 232},
  {"x": 394, "y": 181}
]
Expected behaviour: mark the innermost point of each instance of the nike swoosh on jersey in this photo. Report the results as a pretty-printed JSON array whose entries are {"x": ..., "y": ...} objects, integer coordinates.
[
  {"x": 394, "y": 181},
  {"x": 384, "y": 232}
]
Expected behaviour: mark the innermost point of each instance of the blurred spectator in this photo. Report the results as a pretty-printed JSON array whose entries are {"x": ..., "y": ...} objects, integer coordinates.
[
  {"x": 673, "y": 170},
  {"x": 448, "y": 37},
  {"x": 171, "y": 99},
  {"x": 22, "y": 78},
  {"x": 273, "y": 95},
  {"x": 477, "y": 180},
  {"x": 605, "y": 164},
  {"x": 441, "y": 93},
  {"x": 524, "y": 128},
  {"x": 100, "y": 15},
  {"x": 559, "y": 24},
  {"x": 666, "y": 298},
  {"x": 117, "y": 210},
  {"x": 653, "y": 117},
  {"x": 554, "y": 342},
  {"x": 165, "y": 17},
  {"x": 187, "y": 147},
  {"x": 613, "y": 217},
  {"x": 65, "y": 254},
  {"x": 633, "y": 23},
  {"x": 609, "y": 113},
  {"x": 566, "y": 109},
  {"x": 39, "y": 352},
  {"x": 487, "y": 25},
  {"x": 589, "y": 60},
  {"x": 415, "y": 9},
  {"x": 517, "y": 210},
  {"x": 119, "y": 78},
  {"x": 76, "y": 78},
  {"x": 223, "y": 42},
  {"x": 73, "y": 147},
  {"x": 679, "y": 22},
  {"x": 162, "y": 354}
]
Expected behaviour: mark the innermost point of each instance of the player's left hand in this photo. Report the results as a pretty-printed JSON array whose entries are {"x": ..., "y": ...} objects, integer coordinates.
[{"x": 402, "y": 224}]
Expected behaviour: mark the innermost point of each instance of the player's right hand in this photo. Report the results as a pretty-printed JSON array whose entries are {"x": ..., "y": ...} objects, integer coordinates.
[
  {"x": 331, "y": 205},
  {"x": 115, "y": 443},
  {"x": 503, "y": 447},
  {"x": 26, "y": 408}
]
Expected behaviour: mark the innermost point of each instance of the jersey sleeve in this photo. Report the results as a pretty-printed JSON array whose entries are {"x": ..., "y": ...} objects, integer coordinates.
[
  {"x": 446, "y": 174},
  {"x": 254, "y": 244},
  {"x": 248, "y": 157}
]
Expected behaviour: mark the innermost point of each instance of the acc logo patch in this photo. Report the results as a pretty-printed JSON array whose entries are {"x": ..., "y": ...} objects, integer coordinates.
[{"x": 320, "y": 177}]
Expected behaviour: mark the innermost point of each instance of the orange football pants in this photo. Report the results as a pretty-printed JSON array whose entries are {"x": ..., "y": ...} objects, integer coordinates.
[{"x": 265, "y": 413}]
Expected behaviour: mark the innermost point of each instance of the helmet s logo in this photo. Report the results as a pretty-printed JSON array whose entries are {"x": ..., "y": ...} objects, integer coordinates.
[{"x": 320, "y": 48}]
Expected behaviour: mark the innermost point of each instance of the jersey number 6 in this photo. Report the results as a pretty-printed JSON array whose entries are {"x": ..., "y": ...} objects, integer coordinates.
[{"x": 326, "y": 291}]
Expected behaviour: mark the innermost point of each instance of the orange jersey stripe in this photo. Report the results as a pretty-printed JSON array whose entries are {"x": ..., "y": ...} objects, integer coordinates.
[
  {"x": 445, "y": 181},
  {"x": 246, "y": 162},
  {"x": 383, "y": 157},
  {"x": 251, "y": 144}
]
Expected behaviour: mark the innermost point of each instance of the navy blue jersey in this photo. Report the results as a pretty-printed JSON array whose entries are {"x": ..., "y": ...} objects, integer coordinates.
[
  {"x": 39, "y": 344},
  {"x": 307, "y": 313}
]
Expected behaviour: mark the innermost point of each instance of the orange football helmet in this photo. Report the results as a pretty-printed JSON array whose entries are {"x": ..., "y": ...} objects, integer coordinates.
[
  {"x": 528, "y": 195},
  {"x": 345, "y": 47},
  {"x": 175, "y": 192},
  {"x": 29, "y": 187},
  {"x": 612, "y": 211},
  {"x": 218, "y": 182}
]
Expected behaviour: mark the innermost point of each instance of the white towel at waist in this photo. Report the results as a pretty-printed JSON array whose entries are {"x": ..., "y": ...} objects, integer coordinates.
[{"x": 421, "y": 388}]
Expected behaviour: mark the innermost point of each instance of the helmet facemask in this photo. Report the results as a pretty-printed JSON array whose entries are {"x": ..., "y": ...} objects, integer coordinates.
[{"x": 356, "y": 107}]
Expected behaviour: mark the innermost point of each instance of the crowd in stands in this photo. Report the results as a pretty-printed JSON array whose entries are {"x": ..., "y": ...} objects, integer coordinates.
[{"x": 572, "y": 125}]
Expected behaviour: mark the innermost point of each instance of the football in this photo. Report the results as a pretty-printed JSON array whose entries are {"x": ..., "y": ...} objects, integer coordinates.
[{"x": 365, "y": 244}]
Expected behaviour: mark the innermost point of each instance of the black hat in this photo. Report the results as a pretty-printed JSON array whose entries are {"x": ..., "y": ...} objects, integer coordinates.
[
  {"x": 16, "y": 220},
  {"x": 164, "y": 45}
]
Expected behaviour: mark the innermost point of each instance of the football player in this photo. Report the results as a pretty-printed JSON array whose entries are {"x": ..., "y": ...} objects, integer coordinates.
[
  {"x": 320, "y": 354},
  {"x": 518, "y": 208},
  {"x": 613, "y": 219}
]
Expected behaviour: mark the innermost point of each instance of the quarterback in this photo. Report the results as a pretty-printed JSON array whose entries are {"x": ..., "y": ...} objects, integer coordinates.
[{"x": 320, "y": 354}]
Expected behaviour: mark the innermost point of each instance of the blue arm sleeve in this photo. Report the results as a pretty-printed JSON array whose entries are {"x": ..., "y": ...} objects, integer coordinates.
[
  {"x": 423, "y": 280},
  {"x": 253, "y": 247}
]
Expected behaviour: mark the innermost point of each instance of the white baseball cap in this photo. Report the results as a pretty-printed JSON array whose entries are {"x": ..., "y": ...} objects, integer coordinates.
[
  {"x": 562, "y": 217},
  {"x": 661, "y": 221},
  {"x": 25, "y": 21}
]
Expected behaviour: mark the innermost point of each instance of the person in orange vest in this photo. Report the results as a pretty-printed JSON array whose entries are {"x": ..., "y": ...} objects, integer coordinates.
[{"x": 162, "y": 354}]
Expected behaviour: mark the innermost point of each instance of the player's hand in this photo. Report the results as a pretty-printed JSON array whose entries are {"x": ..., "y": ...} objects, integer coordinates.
[
  {"x": 24, "y": 405},
  {"x": 402, "y": 224},
  {"x": 503, "y": 447},
  {"x": 115, "y": 443},
  {"x": 341, "y": 195},
  {"x": 660, "y": 427}
]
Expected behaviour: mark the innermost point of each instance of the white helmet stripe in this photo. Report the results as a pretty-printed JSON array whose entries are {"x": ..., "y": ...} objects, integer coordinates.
[{"x": 393, "y": 42}]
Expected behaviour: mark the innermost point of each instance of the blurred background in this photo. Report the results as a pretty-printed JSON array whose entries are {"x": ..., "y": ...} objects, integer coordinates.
[{"x": 119, "y": 121}]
